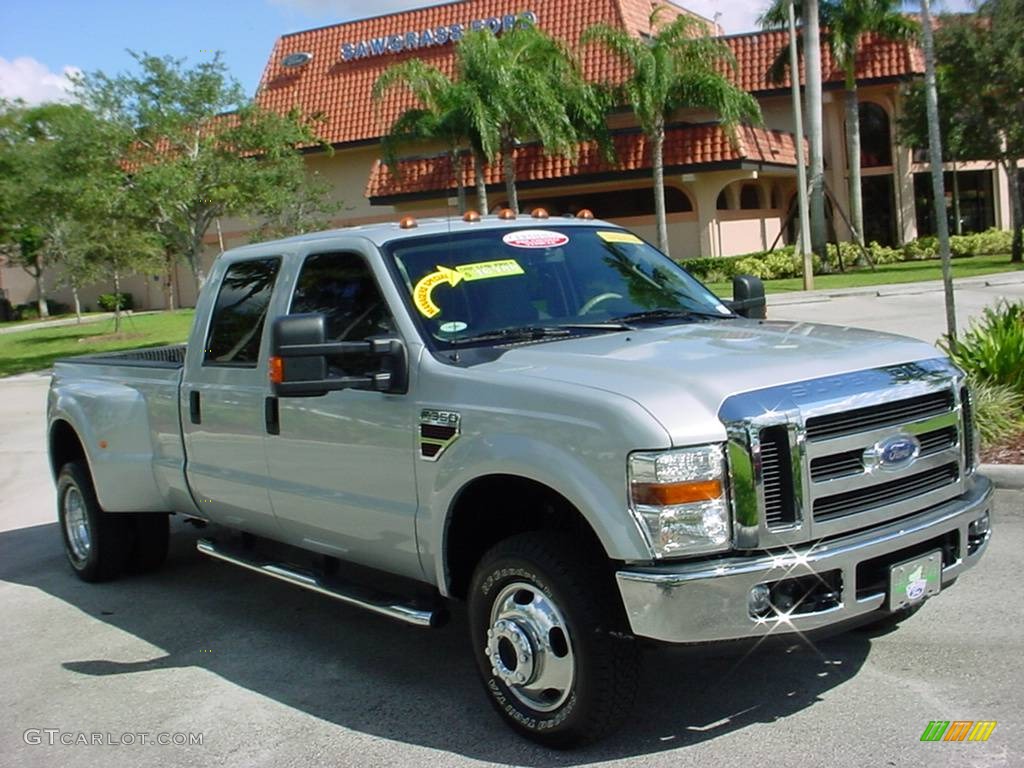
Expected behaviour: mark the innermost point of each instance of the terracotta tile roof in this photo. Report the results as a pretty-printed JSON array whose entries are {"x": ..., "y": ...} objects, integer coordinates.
[
  {"x": 685, "y": 147},
  {"x": 878, "y": 59},
  {"x": 340, "y": 90}
]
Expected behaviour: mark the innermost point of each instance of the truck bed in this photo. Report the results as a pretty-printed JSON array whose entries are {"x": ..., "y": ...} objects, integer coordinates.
[{"x": 170, "y": 356}]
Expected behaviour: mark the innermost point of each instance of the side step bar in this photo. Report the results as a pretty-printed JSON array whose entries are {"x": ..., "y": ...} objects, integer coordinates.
[{"x": 350, "y": 594}]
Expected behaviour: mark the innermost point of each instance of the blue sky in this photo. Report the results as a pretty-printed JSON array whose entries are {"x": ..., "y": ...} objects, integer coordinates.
[{"x": 42, "y": 39}]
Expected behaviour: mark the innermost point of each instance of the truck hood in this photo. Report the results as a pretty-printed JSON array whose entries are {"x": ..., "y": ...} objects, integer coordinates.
[{"x": 681, "y": 374}]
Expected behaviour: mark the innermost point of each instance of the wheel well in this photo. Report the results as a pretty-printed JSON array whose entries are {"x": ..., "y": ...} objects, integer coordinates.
[
  {"x": 496, "y": 507},
  {"x": 64, "y": 446}
]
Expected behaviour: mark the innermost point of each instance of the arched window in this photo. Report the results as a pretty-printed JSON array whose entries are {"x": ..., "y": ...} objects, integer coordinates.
[
  {"x": 875, "y": 136},
  {"x": 723, "y": 200},
  {"x": 750, "y": 197}
]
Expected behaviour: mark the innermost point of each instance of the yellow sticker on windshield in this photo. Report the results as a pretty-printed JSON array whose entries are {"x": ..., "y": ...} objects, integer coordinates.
[
  {"x": 620, "y": 237},
  {"x": 422, "y": 294}
]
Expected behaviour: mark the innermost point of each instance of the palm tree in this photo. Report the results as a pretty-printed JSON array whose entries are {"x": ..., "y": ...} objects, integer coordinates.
[
  {"x": 443, "y": 117},
  {"x": 845, "y": 24},
  {"x": 526, "y": 86},
  {"x": 678, "y": 67}
]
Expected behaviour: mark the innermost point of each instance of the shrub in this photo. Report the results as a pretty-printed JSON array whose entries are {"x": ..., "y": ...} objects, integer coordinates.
[
  {"x": 27, "y": 311},
  {"x": 108, "y": 301},
  {"x": 992, "y": 350},
  {"x": 998, "y": 412}
]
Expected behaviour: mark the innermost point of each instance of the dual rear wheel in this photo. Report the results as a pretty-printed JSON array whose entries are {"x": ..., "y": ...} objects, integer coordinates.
[{"x": 101, "y": 545}]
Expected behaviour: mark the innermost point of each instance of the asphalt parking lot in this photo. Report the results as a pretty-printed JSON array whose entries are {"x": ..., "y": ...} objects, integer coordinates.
[{"x": 271, "y": 675}]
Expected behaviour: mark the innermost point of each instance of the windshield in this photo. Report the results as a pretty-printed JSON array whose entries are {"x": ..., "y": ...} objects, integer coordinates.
[{"x": 480, "y": 285}]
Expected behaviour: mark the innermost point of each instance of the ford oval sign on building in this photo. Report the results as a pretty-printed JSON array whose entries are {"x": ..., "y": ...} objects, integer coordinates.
[{"x": 893, "y": 453}]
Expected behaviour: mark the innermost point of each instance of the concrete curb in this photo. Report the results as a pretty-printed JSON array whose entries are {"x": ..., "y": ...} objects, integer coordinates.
[
  {"x": 1007, "y": 476},
  {"x": 892, "y": 289}
]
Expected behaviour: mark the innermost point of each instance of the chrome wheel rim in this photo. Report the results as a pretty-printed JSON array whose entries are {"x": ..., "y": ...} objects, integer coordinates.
[
  {"x": 530, "y": 647},
  {"x": 76, "y": 524}
]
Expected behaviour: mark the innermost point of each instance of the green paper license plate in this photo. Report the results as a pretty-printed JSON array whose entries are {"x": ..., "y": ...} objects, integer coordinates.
[{"x": 913, "y": 581}]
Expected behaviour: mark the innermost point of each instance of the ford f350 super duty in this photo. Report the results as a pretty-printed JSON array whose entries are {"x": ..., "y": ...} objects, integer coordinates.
[{"x": 545, "y": 418}]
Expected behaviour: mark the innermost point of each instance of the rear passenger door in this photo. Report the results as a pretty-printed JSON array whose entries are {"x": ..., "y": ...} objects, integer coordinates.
[
  {"x": 223, "y": 398},
  {"x": 342, "y": 464}
]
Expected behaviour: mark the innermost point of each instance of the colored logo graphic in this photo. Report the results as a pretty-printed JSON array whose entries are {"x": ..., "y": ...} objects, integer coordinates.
[{"x": 958, "y": 730}]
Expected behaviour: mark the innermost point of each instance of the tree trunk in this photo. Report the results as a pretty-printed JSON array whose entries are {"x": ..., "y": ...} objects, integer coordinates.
[
  {"x": 117, "y": 300},
  {"x": 935, "y": 161},
  {"x": 169, "y": 282},
  {"x": 78, "y": 304},
  {"x": 195, "y": 261},
  {"x": 658, "y": 166},
  {"x": 1017, "y": 205},
  {"x": 41, "y": 303},
  {"x": 458, "y": 174},
  {"x": 508, "y": 160},
  {"x": 812, "y": 65},
  {"x": 957, "y": 224},
  {"x": 481, "y": 183},
  {"x": 853, "y": 160}
]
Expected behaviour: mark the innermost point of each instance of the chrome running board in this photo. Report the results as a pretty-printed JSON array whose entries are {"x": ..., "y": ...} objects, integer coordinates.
[{"x": 346, "y": 593}]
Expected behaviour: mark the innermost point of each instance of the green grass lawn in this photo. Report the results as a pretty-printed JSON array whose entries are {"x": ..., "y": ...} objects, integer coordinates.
[
  {"x": 902, "y": 272},
  {"x": 33, "y": 350}
]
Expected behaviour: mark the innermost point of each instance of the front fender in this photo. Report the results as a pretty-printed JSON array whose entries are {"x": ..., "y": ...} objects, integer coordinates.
[{"x": 596, "y": 489}]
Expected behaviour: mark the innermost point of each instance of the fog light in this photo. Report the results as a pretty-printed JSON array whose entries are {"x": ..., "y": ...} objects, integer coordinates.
[
  {"x": 978, "y": 533},
  {"x": 759, "y": 601}
]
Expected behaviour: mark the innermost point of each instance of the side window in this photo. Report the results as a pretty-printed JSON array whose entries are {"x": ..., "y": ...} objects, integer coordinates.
[
  {"x": 240, "y": 313},
  {"x": 342, "y": 288}
]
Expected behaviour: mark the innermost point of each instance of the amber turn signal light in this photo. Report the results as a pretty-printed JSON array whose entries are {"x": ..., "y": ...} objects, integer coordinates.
[
  {"x": 276, "y": 370},
  {"x": 668, "y": 494}
]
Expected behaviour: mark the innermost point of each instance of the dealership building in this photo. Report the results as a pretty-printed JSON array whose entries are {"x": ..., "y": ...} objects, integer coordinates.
[{"x": 724, "y": 197}]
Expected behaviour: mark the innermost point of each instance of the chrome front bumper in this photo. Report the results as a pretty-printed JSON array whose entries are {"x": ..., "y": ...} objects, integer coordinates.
[{"x": 708, "y": 601}]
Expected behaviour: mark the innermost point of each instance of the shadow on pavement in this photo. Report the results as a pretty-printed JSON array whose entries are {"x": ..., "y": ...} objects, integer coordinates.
[{"x": 371, "y": 675}]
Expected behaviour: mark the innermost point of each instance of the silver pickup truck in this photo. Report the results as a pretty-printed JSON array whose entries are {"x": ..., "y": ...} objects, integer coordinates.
[{"x": 544, "y": 418}]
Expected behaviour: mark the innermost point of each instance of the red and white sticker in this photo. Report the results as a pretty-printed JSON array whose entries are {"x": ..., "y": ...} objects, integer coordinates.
[{"x": 535, "y": 238}]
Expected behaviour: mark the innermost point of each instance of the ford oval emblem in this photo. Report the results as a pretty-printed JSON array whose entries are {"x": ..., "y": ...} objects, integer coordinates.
[
  {"x": 893, "y": 453},
  {"x": 293, "y": 60}
]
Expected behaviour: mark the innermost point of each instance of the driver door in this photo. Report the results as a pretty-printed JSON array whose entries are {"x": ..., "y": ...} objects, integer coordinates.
[{"x": 342, "y": 464}]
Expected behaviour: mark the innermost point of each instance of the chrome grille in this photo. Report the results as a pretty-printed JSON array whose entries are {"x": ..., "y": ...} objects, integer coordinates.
[
  {"x": 876, "y": 416},
  {"x": 872, "y": 496},
  {"x": 810, "y": 451},
  {"x": 777, "y": 477}
]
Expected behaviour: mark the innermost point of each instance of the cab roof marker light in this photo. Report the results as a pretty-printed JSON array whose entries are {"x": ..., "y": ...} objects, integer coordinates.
[
  {"x": 540, "y": 213},
  {"x": 471, "y": 217},
  {"x": 408, "y": 222},
  {"x": 506, "y": 214},
  {"x": 585, "y": 213}
]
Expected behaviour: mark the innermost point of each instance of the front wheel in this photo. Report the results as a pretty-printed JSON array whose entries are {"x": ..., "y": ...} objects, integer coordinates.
[{"x": 550, "y": 640}]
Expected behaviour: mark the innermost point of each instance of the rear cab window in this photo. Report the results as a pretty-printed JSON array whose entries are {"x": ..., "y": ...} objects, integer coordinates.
[{"x": 240, "y": 313}]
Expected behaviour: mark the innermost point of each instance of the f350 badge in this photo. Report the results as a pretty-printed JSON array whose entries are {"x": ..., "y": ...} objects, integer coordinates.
[{"x": 438, "y": 430}]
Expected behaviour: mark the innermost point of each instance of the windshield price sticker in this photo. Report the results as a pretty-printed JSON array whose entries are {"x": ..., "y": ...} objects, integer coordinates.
[
  {"x": 422, "y": 294},
  {"x": 535, "y": 238},
  {"x": 620, "y": 237}
]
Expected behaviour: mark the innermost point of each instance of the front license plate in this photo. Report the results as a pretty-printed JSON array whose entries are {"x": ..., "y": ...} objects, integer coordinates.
[{"x": 913, "y": 581}]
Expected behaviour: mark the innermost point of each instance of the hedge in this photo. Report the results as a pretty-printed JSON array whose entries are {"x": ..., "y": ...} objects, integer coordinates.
[{"x": 785, "y": 262}]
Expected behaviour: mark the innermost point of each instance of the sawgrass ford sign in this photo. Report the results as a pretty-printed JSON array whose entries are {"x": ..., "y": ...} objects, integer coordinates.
[{"x": 430, "y": 38}]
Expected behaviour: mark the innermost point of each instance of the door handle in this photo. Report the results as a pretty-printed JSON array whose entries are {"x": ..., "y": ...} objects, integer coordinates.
[
  {"x": 194, "y": 410},
  {"x": 272, "y": 415}
]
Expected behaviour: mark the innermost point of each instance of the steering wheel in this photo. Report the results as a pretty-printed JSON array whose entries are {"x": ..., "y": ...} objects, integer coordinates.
[{"x": 597, "y": 300}]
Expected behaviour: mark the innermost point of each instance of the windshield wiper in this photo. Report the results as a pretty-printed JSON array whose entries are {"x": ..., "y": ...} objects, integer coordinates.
[
  {"x": 654, "y": 315},
  {"x": 537, "y": 332}
]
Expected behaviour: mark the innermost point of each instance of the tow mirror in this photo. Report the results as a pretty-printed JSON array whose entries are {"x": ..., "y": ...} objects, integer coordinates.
[
  {"x": 300, "y": 359},
  {"x": 748, "y": 297}
]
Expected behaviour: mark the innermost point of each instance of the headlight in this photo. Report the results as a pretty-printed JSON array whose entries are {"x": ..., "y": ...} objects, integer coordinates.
[{"x": 678, "y": 498}]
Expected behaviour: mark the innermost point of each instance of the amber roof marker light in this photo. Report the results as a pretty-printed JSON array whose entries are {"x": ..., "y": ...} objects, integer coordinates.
[
  {"x": 585, "y": 213},
  {"x": 540, "y": 213},
  {"x": 506, "y": 214},
  {"x": 408, "y": 222},
  {"x": 471, "y": 217}
]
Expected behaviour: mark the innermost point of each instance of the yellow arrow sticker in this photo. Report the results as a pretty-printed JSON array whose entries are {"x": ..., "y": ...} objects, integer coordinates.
[
  {"x": 422, "y": 294},
  {"x": 620, "y": 237}
]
